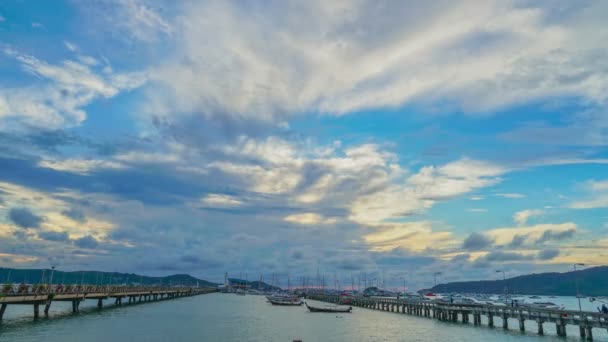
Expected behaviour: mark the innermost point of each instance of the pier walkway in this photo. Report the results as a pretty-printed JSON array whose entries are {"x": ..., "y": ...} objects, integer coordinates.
[
  {"x": 444, "y": 311},
  {"x": 37, "y": 295}
]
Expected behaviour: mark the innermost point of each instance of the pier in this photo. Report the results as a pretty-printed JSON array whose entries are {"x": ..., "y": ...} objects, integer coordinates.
[
  {"x": 43, "y": 295},
  {"x": 473, "y": 313}
]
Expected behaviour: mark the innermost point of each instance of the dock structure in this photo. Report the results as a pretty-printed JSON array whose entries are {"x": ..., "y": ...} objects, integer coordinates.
[
  {"x": 465, "y": 313},
  {"x": 43, "y": 295}
]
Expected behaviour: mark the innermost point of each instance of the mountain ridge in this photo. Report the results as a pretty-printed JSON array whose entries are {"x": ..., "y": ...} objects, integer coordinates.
[
  {"x": 590, "y": 282},
  {"x": 39, "y": 275}
]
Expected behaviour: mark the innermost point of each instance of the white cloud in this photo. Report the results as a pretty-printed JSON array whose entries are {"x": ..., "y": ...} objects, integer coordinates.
[
  {"x": 81, "y": 166},
  {"x": 59, "y": 94},
  {"x": 217, "y": 200},
  {"x": 477, "y": 210},
  {"x": 260, "y": 63},
  {"x": 522, "y": 217},
  {"x": 413, "y": 236},
  {"x": 599, "y": 196},
  {"x": 476, "y": 198},
  {"x": 510, "y": 195},
  {"x": 309, "y": 219}
]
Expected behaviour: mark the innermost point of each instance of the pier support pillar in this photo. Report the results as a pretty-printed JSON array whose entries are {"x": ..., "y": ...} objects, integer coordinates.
[
  {"x": 100, "y": 303},
  {"x": 2, "y": 309},
  {"x": 589, "y": 331},
  {"x": 505, "y": 321},
  {"x": 36, "y": 310},
  {"x": 75, "y": 306},
  {"x": 47, "y": 307},
  {"x": 560, "y": 328},
  {"x": 491, "y": 320},
  {"x": 522, "y": 325},
  {"x": 464, "y": 317},
  {"x": 540, "y": 327}
]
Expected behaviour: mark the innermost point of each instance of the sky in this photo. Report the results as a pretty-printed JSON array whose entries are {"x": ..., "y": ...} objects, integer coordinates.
[{"x": 377, "y": 140}]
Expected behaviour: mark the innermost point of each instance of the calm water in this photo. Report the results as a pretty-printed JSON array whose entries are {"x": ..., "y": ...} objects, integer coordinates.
[{"x": 227, "y": 317}]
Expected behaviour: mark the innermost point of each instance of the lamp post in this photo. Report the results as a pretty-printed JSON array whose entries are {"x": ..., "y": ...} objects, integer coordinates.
[
  {"x": 52, "y": 272},
  {"x": 578, "y": 296},
  {"x": 435, "y": 278},
  {"x": 505, "y": 284}
]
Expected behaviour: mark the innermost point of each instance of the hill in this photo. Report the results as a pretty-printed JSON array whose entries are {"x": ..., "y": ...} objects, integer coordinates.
[
  {"x": 256, "y": 285},
  {"x": 592, "y": 282},
  {"x": 15, "y": 275}
]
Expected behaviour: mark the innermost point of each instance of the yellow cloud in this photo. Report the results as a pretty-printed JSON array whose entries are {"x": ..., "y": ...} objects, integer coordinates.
[{"x": 413, "y": 236}]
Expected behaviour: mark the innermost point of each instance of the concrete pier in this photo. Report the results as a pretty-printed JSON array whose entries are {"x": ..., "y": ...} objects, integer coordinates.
[
  {"x": 450, "y": 312},
  {"x": 37, "y": 295}
]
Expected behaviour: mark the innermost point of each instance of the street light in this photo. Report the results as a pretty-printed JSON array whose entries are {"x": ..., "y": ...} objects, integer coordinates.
[
  {"x": 578, "y": 296},
  {"x": 505, "y": 284},
  {"x": 52, "y": 272},
  {"x": 435, "y": 277}
]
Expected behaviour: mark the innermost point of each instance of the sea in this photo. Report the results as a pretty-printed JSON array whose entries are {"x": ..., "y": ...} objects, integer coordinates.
[{"x": 228, "y": 317}]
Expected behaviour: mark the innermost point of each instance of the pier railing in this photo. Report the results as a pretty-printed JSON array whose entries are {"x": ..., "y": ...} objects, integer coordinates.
[
  {"x": 445, "y": 311},
  {"x": 36, "y": 294}
]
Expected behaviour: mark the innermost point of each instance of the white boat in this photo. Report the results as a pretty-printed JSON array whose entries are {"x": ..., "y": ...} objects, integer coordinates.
[{"x": 544, "y": 305}]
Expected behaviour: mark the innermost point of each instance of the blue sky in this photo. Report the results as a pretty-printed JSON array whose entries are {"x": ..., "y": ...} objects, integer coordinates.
[{"x": 369, "y": 139}]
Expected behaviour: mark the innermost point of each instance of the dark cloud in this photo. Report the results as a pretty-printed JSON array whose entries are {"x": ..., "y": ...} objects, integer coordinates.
[
  {"x": 476, "y": 241},
  {"x": 87, "y": 242},
  {"x": 518, "y": 241},
  {"x": 461, "y": 258},
  {"x": 74, "y": 214},
  {"x": 505, "y": 256},
  {"x": 24, "y": 218},
  {"x": 548, "y": 254},
  {"x": 191, "y": 259},
  {"x": 552, "y": 235},
  {"x": 54, "y": 236},
  {"x": 297, "y": 254}
]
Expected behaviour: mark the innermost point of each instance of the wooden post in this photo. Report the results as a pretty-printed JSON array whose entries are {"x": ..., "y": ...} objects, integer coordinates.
[
  {"x": 2, "y": 309},
  {"x": 522, "y": 324},
  {"x": 505, "y": 321},
  {"x": 491, "y": 320},
  {"x": 47, "y": 307},
  {"x": 100, "y": 303},
  {"x": 589, "y": 330},
  {"x": 36, "y": 310},
  {"x": 540, "y": 327}
]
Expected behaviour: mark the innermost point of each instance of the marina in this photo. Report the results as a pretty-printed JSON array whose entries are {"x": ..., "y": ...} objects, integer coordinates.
[{"x": 586, "y": 321}]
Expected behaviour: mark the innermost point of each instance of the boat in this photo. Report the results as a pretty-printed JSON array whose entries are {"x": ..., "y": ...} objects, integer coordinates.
[
  {"x": 285, "y": 301},
  {"x": 333, "y": 308},
  {"x": 545, "y": 305}
]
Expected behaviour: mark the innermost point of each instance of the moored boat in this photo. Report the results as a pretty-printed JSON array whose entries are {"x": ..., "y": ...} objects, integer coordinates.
[
  {"x": 333, "y": 308},
  {"x": 285, "y": 301}
]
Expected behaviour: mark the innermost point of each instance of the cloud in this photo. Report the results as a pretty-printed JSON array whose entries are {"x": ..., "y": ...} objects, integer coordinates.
[
  {"x": 217, "y": 200},
  {"x": 599, "y": 193},
  {"x": 80, "y": 166},
  {"x": 308, "y": 219},
  {"x": 54, "y": 236},
  {"x": 548, "y": 254},
  {"x": 530, "y": 235},
  {"x": 510, "y": 195},
  {"x": 61, "y": 92},
  {"x": 476, "y": 241},
  {"x": 507, "y": 54},
  {"x": 413, "y": 236},
  {"x": 518, "y": 241},
  {"x": 522, "y": 217},
  {"x": 477, "y": 210},
  {"x": 552, "y": 235},
  {"x": 24, "y": 218},
  {"x": 75, "y": 214},
  {"x": 86, "y": 242}
]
